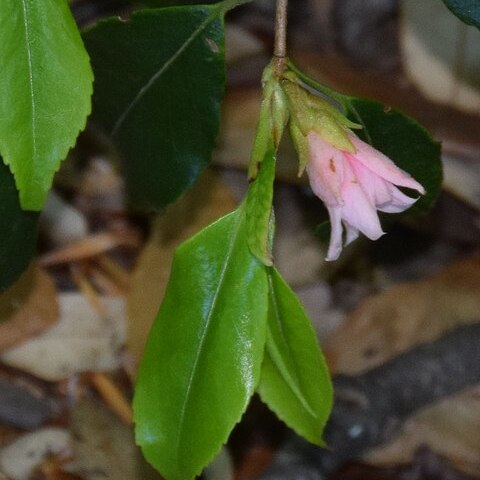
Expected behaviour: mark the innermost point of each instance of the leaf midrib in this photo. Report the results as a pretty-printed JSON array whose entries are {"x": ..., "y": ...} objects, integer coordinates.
[
  {"x": 216, "y": 12},
  {"x": 231, "y": 246},
  {"x": 290, "y": 381},
  {"x": 25, "y": 10}
]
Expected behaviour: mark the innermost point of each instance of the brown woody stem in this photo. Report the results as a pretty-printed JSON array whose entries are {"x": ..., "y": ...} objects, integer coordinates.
[{"x": 280, "y": 50}]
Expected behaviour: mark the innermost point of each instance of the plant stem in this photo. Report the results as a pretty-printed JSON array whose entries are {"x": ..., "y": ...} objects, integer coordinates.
[{"x": 280, "y": 49}]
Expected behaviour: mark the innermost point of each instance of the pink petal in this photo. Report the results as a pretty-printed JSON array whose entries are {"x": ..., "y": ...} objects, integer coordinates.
[
  {"x": 358, "y": 211},
  {"x": 399, "y": 201},
  {"x": 381, "y": 165},
  {"x": 325, "y": 170},
  {"x": 351, "y": 234},
  {"x": 335, "y": 246},
  {"x": 375, "y": 187}
]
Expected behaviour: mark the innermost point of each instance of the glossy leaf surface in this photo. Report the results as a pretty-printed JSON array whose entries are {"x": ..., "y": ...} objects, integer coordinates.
[
  {"x": 45, "y": 89},
  {"x": 203, "y": 358},
  {"x": 159, "y": 82},
  {"x": 295, "y": 382},
  {"x": 18, "y": 231},
  {"x": 466, "y": 10}
]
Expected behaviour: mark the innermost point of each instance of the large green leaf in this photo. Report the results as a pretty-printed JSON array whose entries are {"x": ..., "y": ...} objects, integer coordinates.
[
  {"x": 18, "y": 231},
  {"x": 159, "y": 82},
  {"x": 45, "y": 89},
  {"x": 295, "y": 382},
  {"x": 203, "y": 357},
  {"x": 467, "y": 10},
  {"x": 396, "y": 135}
]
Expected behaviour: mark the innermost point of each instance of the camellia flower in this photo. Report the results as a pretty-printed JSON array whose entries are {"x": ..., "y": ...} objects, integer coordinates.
[
  {"x": 353, "y": 179},
  {"x": 353, "y": 186}
]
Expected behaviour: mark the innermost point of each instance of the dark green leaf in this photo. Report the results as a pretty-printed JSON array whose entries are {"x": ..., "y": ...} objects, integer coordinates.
[
  {"x": 18, "y": 231},
  {"x": 295, "y": 382},
  {"x": 402, "y": 139},
  {"x": 203, "y": 357},
  {"x": 259, "y": 210},
  {"x": 45, "y": 88},
  {"x": 466, "y": 10},
  {"x": 172, "y": 3},
  {"x": 159, "y": 82}
]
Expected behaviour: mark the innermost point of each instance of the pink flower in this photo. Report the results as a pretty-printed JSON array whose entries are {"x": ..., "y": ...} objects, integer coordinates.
[{"x": 354, "y": 186}]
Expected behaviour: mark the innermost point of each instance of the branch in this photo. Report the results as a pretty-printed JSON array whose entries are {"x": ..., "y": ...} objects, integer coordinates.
[{"x": 280, "y": 48}]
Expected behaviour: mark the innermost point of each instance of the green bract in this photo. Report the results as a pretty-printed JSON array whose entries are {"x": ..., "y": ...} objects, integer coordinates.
[
  {"x": 259, "y": 211},
  {"x": 45, "y": 88},
  {"x": 272, "y": 120},
  {"x": 311, "y": 113}
]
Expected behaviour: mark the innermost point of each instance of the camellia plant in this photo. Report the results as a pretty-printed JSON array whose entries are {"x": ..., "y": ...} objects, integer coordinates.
[{"x": 229, "y": 325}]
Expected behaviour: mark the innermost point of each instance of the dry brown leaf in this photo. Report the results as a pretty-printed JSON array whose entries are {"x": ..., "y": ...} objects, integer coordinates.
[
  {"x": 82, "y": 340},
  {"x": 27, "y": 308},
  {"x": 20, "y": 458},
  {"x": 241, "y": 44},
  {"x": 396, "y": 320},
  {"x": 451, "y": 428},
  {"x": 113, "y": 396},
  {"x": 52, "y": 469},
  {"x": 442, "y": 60},
  {"x": 405, "y": 315},
  {"x": 103, "y": 447},
  {"x": 206, "y": 202},
  {"x": 91, "y": 246}
]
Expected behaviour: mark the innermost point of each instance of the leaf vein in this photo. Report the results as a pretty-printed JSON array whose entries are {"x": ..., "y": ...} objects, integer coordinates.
[
  {"x": 153, "y": 79},
  {"x": 290, "y": 380},
  {"x": 30, "y": 75},
  {"x": 205, "y": 330}
]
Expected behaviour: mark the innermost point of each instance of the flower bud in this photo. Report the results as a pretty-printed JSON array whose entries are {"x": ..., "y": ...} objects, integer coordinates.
[{"x": 274, "y": 115}]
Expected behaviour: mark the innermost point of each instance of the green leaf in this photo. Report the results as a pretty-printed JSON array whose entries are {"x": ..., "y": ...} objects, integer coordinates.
[
  {"x": 159, "y": 82},
  {"x": 45, "y": 89},
  {"x": 466, "y": 10},
  {"x": 18, "y": 231},
  {"x": 170, "y": 3},
  {"x": 295, "y": 382},
  {"x": 259, "y": 210},
  {"x": 203, "y": 358},
  {"x": 405, "y": 141}
]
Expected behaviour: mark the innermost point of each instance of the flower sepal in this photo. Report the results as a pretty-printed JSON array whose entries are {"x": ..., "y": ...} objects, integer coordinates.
[{"x": 314, "y": 113}]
